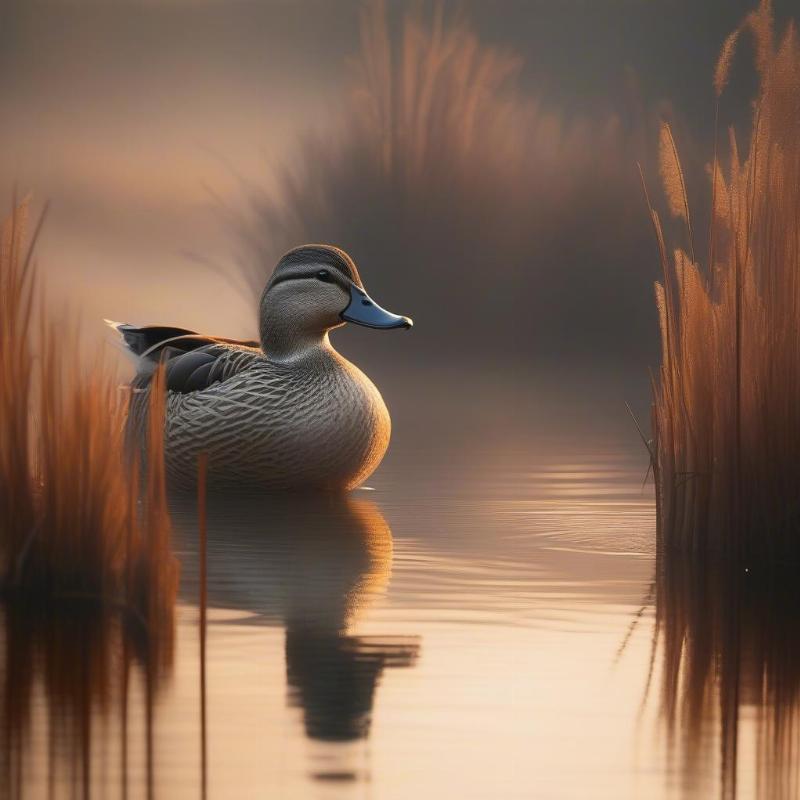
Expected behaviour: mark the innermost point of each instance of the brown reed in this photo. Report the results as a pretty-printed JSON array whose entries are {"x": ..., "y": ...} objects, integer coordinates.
[
  {"x": 725, "y": 414},
  {"x": 442, "y": 166},
  {"x": 79, "y": 541},
  {"x": 72, "y": 521}
]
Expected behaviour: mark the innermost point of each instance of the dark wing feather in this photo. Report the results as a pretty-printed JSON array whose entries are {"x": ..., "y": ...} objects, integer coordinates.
[
  {"x": 140, "y": 340},
  {"x": 183, "y": 371},
  {"x": 192, "y": 361},
  {"x": 149, "y": 341},
  {"x": 203, "y": 367},
  {"x": 195, "y": 341}
]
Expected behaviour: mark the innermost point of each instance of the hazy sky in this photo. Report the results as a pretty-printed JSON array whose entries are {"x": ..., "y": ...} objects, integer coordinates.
[{"x": 131, "y": 117}]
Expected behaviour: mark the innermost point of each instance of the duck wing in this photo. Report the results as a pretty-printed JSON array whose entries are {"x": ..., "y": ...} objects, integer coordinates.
[
  {"x": 147, "y": 341},
  {"x": 206, "y": 365},
  {"x": 192, "y": 360}
]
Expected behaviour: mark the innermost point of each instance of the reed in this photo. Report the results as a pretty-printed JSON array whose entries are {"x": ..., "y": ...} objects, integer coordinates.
[
  {"x": 725, "y": 413},
  {"x": 73, "y": 522},
  {"x": 442, "y": 168}
]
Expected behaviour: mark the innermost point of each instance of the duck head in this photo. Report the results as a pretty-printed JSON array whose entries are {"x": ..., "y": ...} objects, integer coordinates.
[{"x": 314, "y": 289}]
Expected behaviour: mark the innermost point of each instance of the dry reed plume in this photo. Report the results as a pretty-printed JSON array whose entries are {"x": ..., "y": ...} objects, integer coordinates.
[
  {"x": 444, "y": 169},
  {"x": 726, "y": 423},
  {"x": 71, "y": 521}
]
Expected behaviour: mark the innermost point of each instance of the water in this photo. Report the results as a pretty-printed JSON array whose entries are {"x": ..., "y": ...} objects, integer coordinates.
[{"x": 479, "y": 623}]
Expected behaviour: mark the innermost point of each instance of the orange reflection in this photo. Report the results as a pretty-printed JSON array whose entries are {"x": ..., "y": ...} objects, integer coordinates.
[
  {"x": 68, "y": 673},
  {"x": 729, "y": 653}
]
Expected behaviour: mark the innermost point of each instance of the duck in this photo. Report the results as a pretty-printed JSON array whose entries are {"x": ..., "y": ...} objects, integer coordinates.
[{"x": 286, "y": 412}]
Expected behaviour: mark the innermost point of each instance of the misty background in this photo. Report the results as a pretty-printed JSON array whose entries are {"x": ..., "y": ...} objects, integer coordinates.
[{"x": 478, "y": 160}]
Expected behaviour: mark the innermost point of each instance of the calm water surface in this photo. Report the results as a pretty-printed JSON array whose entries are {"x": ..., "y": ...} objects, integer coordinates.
[{"x": 481, "y": 623}]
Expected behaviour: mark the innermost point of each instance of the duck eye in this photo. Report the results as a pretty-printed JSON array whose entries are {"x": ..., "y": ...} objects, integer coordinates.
[{"x": 324, "y": 275}]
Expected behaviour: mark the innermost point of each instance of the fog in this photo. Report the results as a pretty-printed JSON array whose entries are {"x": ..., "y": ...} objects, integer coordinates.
[{"x": 184, "y": 145}]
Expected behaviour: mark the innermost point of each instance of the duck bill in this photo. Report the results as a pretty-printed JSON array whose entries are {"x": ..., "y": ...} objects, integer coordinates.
[{"x": 363, "y": 310}]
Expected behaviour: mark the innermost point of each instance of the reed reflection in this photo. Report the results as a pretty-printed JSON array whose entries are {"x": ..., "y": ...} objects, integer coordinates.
[
  {"x": 312, "y": 565},
  {"x": 69, "y": 674},
  {"x": 730, "y": 658}
]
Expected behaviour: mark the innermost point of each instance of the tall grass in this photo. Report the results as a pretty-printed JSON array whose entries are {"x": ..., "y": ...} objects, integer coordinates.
[
  {"x": 458, "y": 187},
  {"x": 71, "y": 521},
  {"x": 87, "y": 573},
  {"x": 726, "y": 398}
]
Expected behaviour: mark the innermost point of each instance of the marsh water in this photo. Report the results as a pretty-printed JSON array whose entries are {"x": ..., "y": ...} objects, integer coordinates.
[{"x": 484, "y": 620}]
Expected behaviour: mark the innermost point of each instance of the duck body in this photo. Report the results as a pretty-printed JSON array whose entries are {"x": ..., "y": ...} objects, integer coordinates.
[
  {"x": 313, "y": 423},
  {"x": 287, "y": 413}
]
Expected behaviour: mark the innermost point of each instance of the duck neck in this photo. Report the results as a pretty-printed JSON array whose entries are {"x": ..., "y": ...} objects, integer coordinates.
[{"x": 285, "y": 344}]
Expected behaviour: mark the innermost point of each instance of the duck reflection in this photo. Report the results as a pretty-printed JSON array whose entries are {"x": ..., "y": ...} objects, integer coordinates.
[
  {"x": 312, "y": 565},
  {"x": 730, "y": 657},
  {"x": 67, "y": 677}
]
